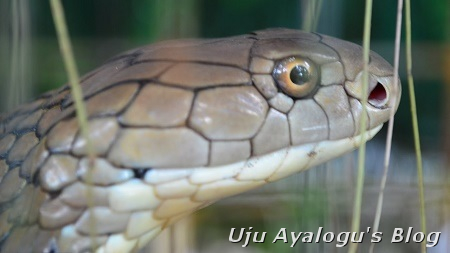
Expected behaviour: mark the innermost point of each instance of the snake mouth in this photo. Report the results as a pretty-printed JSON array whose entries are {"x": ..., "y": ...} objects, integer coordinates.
[{"x": 306, "y": 156}]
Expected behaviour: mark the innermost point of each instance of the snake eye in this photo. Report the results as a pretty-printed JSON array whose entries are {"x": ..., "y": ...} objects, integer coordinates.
[{"x": 296, "y": 76}]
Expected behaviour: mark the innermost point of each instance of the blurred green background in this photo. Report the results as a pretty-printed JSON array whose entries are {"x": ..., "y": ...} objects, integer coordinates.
[{"x": 321, "y": 197}]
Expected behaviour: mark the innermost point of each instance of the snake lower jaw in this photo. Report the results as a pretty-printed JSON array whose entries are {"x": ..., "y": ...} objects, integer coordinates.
[
  {"x": 171, "y": 194},
  {"x": 302, "y": 157}
]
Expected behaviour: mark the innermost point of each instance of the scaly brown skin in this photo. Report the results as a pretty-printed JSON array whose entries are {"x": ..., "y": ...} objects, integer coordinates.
[{"x": 176, "y": 126}]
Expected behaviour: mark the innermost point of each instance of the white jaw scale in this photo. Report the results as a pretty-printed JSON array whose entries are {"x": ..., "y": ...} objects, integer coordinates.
[
  {"x": 164, "y": 196},
  {"x": 305, "y": 156}
]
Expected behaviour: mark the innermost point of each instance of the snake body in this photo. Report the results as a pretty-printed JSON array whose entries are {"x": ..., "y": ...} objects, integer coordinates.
[{"x": 177, "y": 125}]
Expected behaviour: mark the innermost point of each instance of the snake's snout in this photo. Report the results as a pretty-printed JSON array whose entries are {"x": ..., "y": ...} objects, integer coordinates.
[
  {"x": 383, "y": 93},
  {"x": 383, "y": 96}
]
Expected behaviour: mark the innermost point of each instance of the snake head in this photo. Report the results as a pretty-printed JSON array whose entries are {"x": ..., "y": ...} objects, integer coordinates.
[
  {"x": 324, "y": 73},
  {"x": 178, "y": 125},
  {"x": 314, "y": 87}
]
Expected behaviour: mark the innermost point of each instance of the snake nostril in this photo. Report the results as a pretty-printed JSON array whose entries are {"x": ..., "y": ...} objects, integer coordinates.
[{"x": 378, "y": 96}]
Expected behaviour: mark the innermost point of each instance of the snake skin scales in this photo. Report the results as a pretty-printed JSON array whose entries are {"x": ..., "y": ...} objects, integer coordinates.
[{"x": 176, "y": 126}]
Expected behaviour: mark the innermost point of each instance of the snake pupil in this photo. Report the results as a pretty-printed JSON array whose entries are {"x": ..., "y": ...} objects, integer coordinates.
[{"x": 299, "y": 75}]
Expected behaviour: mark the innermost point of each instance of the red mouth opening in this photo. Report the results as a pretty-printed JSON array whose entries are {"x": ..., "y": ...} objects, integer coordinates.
[{"x": 378, "y": 96}]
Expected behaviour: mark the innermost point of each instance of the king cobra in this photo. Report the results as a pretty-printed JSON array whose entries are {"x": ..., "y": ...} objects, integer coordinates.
[{"x": 176, "y": 126}]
